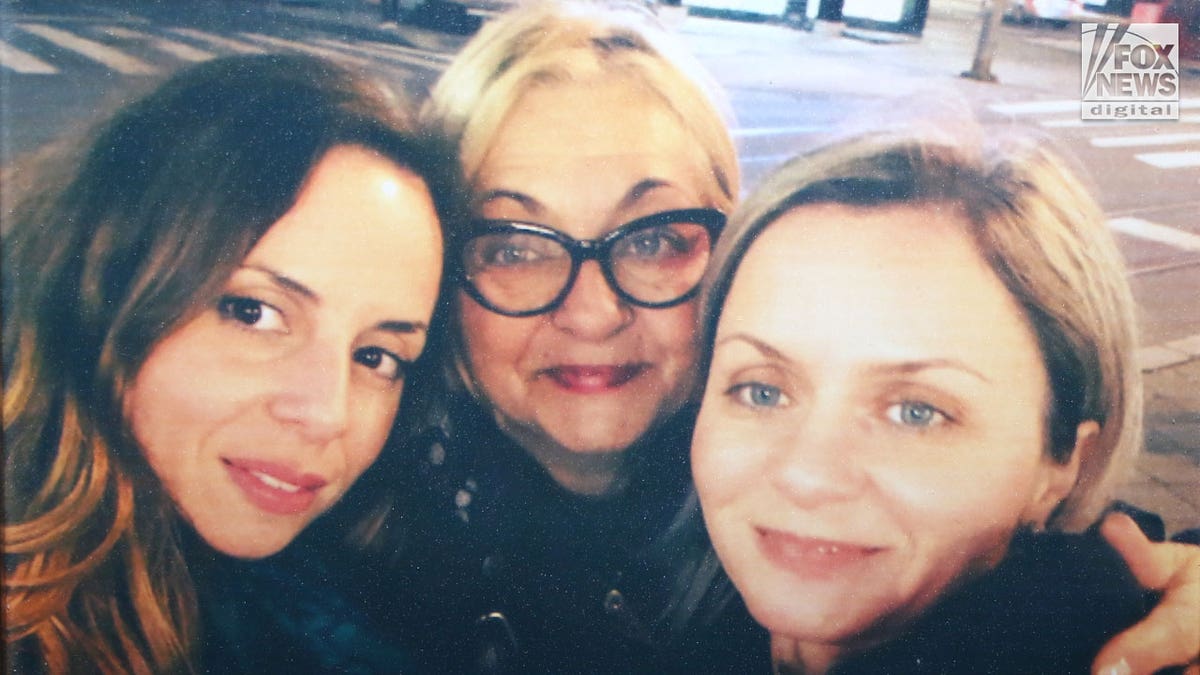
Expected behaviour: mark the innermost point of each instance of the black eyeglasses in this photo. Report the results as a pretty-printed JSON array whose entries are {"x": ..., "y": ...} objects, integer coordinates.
[{"x": 516, "y": 268}]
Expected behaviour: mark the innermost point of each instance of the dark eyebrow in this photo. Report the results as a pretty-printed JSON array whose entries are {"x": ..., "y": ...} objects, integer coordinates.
[
  {"x": 286, "y": 281},
  {"x": 534, "y": 207},
  {"x": 640, "y": 189},
  {"x": 530, "y": 204},
  {"x": 404, "y": 327},
  {"x": 401, "y": 327}
]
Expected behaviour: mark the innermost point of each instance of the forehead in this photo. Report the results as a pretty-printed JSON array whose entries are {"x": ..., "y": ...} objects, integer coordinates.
[
  {"x": 360, "y": 222},
  {"x": 608, "y": 132},
  {"x": 879, "y": 283}
]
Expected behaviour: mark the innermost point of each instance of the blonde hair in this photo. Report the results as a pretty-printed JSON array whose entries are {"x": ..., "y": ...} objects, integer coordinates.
[
  {"x": 551, "y": 42},
  {"x": 1041, "y": 233}
]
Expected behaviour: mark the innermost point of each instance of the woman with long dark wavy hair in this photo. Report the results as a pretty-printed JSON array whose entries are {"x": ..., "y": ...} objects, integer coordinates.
[{"x": 207, "y": 325}]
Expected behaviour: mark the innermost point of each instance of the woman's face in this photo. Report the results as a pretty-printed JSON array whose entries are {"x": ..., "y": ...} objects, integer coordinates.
[
  {"x": 592, "y": 375},
  {"x": 872, "y": 428},
  {"x": 259, "y": 413}
]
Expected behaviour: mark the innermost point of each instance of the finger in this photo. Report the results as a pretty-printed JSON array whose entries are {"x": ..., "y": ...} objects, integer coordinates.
[
  {"x": 1145, "y": 559},
  {"x": 1169, "y": 636}
]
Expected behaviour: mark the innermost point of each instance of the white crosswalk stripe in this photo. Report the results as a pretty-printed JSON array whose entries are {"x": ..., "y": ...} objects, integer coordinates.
[
  {"x": 324, "y": 52},
  {"x": 1170, "y": 160},
  {"x": 1155, "y": 133},
  {"x": 1136, "y": 141},
  {"x": 23, "y": 62},
  {"x": 177, "y": 49},
  {"x": 1144, "y": 229},
  {"x": 108, "y": 56},
  {"x": 1034, "y": 107},
  {"x": 1020, "y": 108},
  {"x": 100, "y": 43},
  {"x": 1072, "y": 46},
  {"x": 219, "y": 41},
  {"x": 393, "y": 52},
  {"x": 1072, "y": 122}
]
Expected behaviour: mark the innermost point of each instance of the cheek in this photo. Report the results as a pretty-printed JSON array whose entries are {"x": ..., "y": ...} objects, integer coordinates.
[
  {"x": 670, "y": 334},
  {"x": 674, "y": 329},
  {"x": 968, "y": 510},
  {"x": 375, "y": 421},
  {"x": 493, "y": 342},
  {"x": 723, "y": 468},
  {"x": 169, "y": 397}
]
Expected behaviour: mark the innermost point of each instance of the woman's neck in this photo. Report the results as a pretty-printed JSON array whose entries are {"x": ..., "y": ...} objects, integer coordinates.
[
  {"x": 593, "y": 474},
  {"x": 793, "y": 657}
]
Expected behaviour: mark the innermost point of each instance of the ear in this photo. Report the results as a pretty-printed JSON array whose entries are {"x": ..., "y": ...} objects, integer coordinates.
[{"x": 1057, "y": 480}]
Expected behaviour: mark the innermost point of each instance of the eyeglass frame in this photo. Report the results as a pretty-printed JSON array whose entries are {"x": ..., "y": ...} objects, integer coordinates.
[{"x": 582, "y": 250}]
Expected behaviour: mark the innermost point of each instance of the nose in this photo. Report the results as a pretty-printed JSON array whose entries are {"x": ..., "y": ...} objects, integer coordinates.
[
  {"x": 592, "y": 310},
  {"x": 819, "y": 462},
  {"x": 313, "y": 393}
]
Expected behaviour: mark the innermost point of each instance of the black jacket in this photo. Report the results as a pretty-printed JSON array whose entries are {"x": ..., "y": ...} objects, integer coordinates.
[
  {"x": 1047, "y": 608},
  {"x": 501, "y": 570}
]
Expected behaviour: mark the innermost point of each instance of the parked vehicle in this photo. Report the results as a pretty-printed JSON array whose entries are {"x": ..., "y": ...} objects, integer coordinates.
[
  {"x": 1057, "y": 13},
  {"x": 1185, "y": 13},
  {"x": 762, "y": 8},
  {"x": 451, "y": 15},
  {"x": 1060, "y": 13}
]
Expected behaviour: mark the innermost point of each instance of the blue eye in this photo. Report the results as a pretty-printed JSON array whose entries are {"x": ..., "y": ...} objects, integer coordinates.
[
  {"x": 652, "y": 243},
  {"x": 915, "y": 414},
  {"x": 759, "y": 395}
]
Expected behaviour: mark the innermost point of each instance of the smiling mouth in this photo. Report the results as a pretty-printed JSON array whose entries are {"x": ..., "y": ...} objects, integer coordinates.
[
  {"x": 274, "y": 488},
  {"x": 812, "y": 557},
  {"x": 593, "y": 379}
]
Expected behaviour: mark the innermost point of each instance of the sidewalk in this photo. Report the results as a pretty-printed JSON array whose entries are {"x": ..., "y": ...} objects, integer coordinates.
[{"x": 1166, "y": 479}]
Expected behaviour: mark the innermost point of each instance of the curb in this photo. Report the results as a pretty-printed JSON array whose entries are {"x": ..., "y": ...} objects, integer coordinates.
[{"x": 1168, "y": 354}]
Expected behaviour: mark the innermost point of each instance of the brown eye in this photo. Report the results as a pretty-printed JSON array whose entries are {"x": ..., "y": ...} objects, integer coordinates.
[
  {"x": 382, "y": 362},
  {"x": 251, "y": 312}
]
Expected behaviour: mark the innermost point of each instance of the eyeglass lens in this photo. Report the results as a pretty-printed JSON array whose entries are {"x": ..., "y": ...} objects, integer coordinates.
[{"x": 520, "y": 271}]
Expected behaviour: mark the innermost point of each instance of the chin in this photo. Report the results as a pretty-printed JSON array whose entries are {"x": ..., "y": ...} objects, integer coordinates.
[
  {"x": 249, "y": 546},
  {"x": 594, "y": 449}
]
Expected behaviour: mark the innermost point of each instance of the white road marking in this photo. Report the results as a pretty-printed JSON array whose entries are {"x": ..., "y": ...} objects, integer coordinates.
[
  {"x": 1134, "y": 141},
  {"x": 176, "y": 49},
  {"x": 379, "y": 50},
  {"x": 1034, "y": 107},
  {"x": 1102, "y": 124},
  {"x": 218, "y": 41},
  {"x": 1062, "y": 106},
  {"x": 1170, "y": 160},
  {"x": 1171, "y": 353},
  {"x": 305, "y": 47},
  {"x": 22, "y": 62},
  {"x": 799, "y": 130},
  {"x": 1144, "y": 229},
  {"x": 426, "y": 54},
  {"x": 1062, "y": 45},
  {"x": 110, "y": 57}
]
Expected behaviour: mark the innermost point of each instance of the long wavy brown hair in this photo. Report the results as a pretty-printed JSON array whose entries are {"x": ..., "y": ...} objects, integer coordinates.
[{"x": 167, "y": 199}]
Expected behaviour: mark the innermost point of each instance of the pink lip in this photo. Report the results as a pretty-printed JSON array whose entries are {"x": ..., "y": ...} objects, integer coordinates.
[
  {"x": 810, "y": 557},
  {"x": 259, "y": 482},
  {"x": 593, "y": 379}
]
